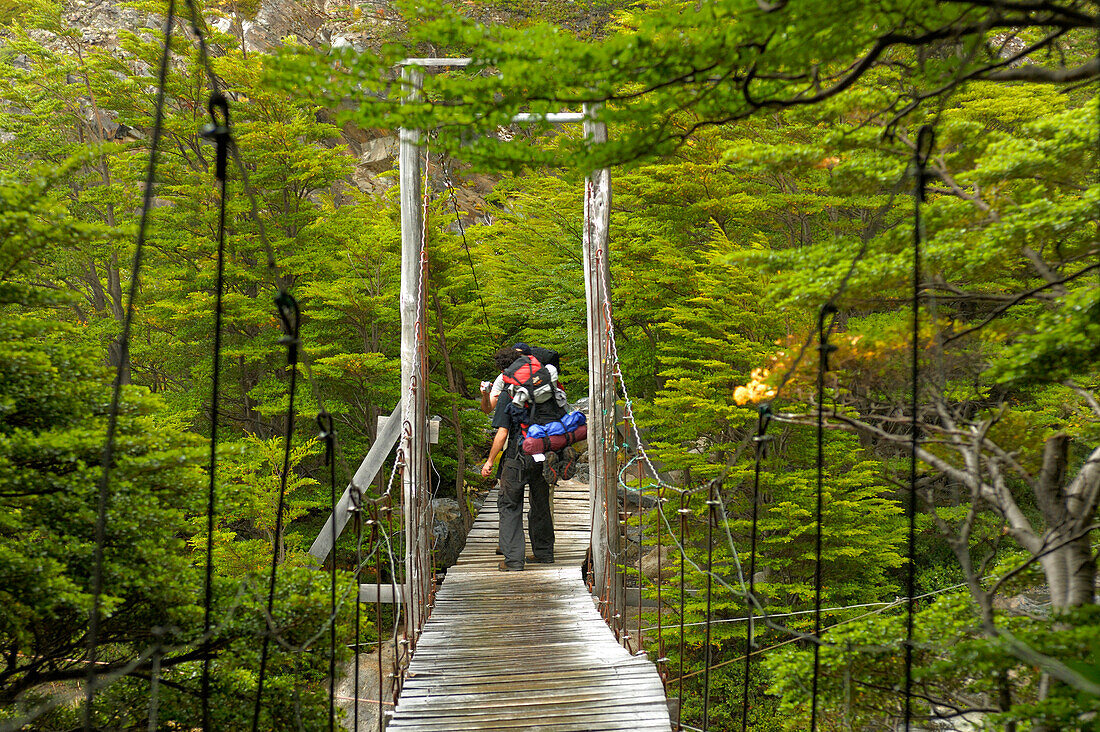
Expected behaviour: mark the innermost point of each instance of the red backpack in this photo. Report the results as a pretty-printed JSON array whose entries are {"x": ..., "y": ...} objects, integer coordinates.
[{"x": 533, "y": 388}]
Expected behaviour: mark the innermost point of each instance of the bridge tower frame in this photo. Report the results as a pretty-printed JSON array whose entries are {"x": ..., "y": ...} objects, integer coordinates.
[{"x": 603, "y": 476}]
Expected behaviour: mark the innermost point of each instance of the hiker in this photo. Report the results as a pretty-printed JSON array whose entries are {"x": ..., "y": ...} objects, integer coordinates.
[
  {"x": 525, "y": 405},
  {"x": 490, "y": 390}
]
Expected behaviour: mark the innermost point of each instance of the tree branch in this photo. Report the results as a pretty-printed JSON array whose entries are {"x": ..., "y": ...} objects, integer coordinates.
[
  {"x": 1042, "y": 75},
  {"x": 1016, "y": 300},
  {"x": 1002, "y": 500},
  {"x": 1083, "y": 492},
  {"x": 1084, "y": 394}
]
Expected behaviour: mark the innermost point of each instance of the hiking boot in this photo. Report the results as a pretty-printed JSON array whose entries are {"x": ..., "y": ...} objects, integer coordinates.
[
  {"x": 539, "y": 560},
  {"x": 505, "y": 567}
]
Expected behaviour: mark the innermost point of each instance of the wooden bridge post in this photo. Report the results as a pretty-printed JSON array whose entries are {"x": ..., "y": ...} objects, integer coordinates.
[
  {"x": 414, "y": 427},
  {"x": 602, "y": 468}
]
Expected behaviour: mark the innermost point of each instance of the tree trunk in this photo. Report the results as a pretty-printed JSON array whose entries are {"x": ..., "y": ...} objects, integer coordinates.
[
  {"x": 118, "y": 357},
  {"x": 1055, "y": 570},
  {"x": 1081, "y": 572},
  {"x": 245, "y": 382},
  {"x": 456, "y": 423}
]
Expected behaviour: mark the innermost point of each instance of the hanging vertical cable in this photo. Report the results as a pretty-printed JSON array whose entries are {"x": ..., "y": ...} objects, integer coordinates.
[
  {"x": 466, "y": 247},
  {"x": 640, "y": 640},
  {"x": 376, "y": 522},
  {"x": 357, "y": 516},
  {"x": 760, "y": 441},
  {"x": 712, "y": 519},
  {"x": 116, "y": 392},
  {"x": 662, "y": 659},
  {"x": 925, "y": 141},
  {"x": 328, "y": 436},
  {"x": 684, "y": 510},
  {"x": 824, "y": 348},
  {"x": 290, "y": 316},
  {"x": 218, "y": 131}
]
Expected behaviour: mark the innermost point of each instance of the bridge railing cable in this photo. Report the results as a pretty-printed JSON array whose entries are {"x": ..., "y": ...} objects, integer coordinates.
[{"x": 715, "y": 513}]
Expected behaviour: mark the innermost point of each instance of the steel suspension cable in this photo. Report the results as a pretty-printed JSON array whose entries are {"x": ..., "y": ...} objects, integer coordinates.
[
  {"x": 925, "y": 141},
  {"x": 466, "y": 247},
  {"x": 662, "y": 659},
  {"x": 823, "y": 348},
  {"x": 376, "y": 523},
  {"x": 357, "y": 516},
  {"x": 328, "y": 436},
  {"x": 290, "y": 316},
  {"x": 103, "y": 496},
  {"x": 712, "y": 519},
  {"x": 764, "y": 416},
  {"x": 422, "y": 497},
  {"x": 641, "y": 543},
  {"x": 218, "y": 131},
  {"x": 684, "y": 511}
]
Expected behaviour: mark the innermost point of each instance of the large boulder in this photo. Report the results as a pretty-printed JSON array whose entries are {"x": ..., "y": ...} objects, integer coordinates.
[
  {"x": 650, "y": 563},
  {"x": 367, "y": 693},
  {"x": 448, "y": 531}
]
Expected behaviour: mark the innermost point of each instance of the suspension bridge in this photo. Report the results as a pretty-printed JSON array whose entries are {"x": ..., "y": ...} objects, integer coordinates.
[
  {"x": 537, "y": 649},
  {"x": 548, "y": 648}
]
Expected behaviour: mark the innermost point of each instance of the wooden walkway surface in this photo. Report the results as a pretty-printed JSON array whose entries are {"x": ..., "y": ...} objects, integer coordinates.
[{"x": 526, "y": 650}]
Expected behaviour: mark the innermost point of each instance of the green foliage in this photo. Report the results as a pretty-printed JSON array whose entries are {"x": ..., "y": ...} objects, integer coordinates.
[
  {"x": 754, "y": 193},
  {"x": 54, "y": 397},
  {"x": 862, "y": 534},
  {"x": 251, "y": 476},
  {"x": 532, "y": 278}
]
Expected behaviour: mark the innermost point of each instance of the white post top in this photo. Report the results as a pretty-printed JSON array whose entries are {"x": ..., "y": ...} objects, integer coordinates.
[
  {"x": 553, "y": 117},
  {"x": 435, "y": 62},
  {"x": 550, "y": 117}
]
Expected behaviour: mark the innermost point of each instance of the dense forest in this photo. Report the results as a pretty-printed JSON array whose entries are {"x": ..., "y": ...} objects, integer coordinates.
[{"x": 772, "y": 166}]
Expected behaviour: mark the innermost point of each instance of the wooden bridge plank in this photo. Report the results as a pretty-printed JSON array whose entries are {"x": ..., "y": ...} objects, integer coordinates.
[{"x": 526, "y": 650}]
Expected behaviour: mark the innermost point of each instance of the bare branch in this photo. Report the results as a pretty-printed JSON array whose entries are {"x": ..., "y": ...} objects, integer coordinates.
[
  {"x": 940, "y": 168},
  {"x": 998, "y": 496},
  {"x": 1016, "y": 300},
  {"x": 1044, "y": 271},
  {"x": 1048, "y": 549},
  {"x": 1083, "y": 492},
  {"x": 1051, "y": 665},
  {"x": 1084, "y": 394},
  {"x": 1043, "y": 75}
]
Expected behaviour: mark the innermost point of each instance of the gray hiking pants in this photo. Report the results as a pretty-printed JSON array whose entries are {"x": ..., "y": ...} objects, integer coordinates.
[{"x": 517, "y": 473}]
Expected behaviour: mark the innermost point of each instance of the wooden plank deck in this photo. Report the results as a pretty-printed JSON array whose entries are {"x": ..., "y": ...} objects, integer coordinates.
[{"x": 526, "y": 650}]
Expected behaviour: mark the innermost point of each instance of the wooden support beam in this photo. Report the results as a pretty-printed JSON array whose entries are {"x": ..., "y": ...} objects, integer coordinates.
[
  {"x": 555, "y": 117},
  {"x": 388, "y": 430},
  {"x": 435, "y": 62},
  {"x": 385, "y": 593},
  {"x": 603, "y": 476},
  {"x": 414, "y": 383}
]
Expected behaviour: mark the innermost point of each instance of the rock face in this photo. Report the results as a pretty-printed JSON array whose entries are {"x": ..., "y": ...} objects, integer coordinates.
[
  {"x": 308, "y": 22},
  {"x": 313, "y": 23},
  {"x": 100, "y": 21},
  {"x": 650, "y": 563}
]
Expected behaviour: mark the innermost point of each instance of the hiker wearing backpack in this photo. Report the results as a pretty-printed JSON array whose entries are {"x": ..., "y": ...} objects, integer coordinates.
[
  {"x": 491, "y": 390},
  {"x": 530, "y": 396}
]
